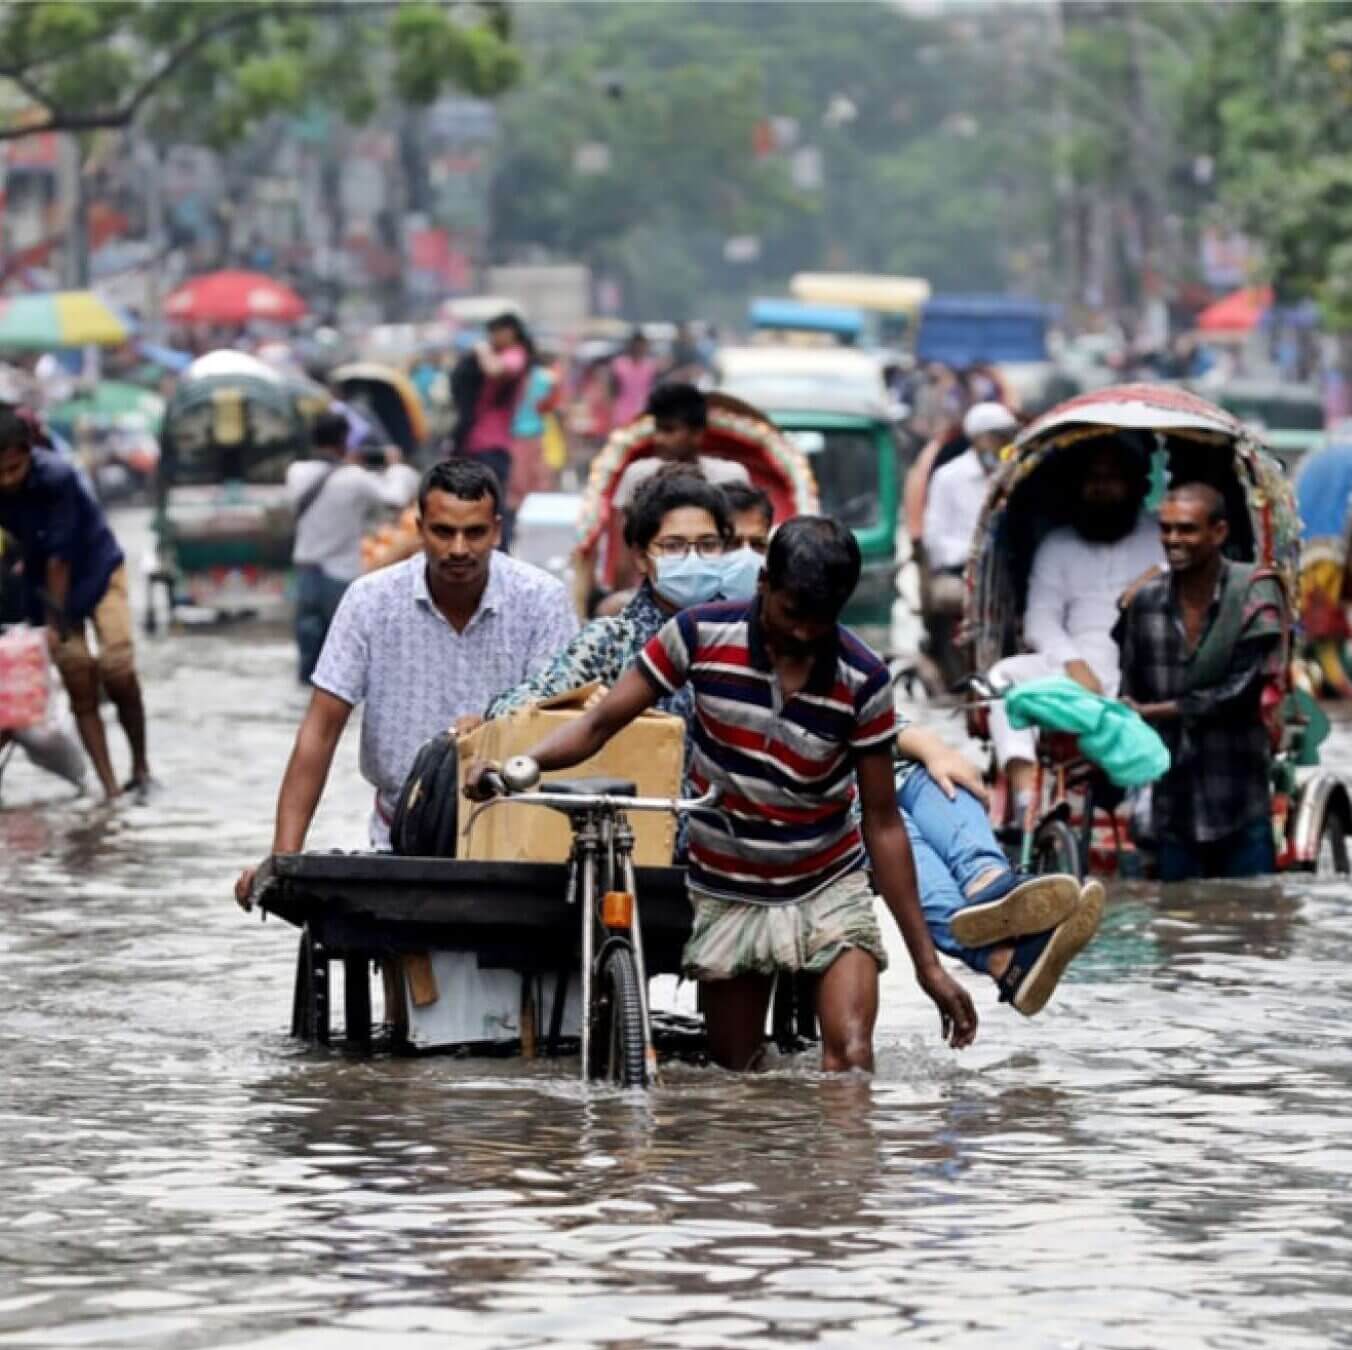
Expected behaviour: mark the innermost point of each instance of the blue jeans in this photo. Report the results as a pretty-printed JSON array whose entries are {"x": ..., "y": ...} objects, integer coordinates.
[
  {"x": 317, "y": 597},
  {"x": 1246, "y": 853},
  {"x": 953, "y": 845}
]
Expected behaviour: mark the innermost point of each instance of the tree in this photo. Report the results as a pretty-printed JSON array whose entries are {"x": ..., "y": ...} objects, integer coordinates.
[
  {"x": 210, "y": 70},
  {"x": 632, "y": 150},
  {"x": 681, "y": 99},
  {"x": 89, "y": 67},
  {"x": 1275, "y": 105}
]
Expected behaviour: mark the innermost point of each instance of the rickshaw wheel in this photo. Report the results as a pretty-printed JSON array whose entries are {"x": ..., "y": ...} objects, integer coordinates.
[
  {"x": 1332, "y": 858},
  {"x": 617, "y": 1022},
  {"x": 1056, "y": 849}
]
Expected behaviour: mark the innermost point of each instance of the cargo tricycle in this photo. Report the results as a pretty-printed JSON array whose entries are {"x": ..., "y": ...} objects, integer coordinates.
[{"x": 585, "y": 936}]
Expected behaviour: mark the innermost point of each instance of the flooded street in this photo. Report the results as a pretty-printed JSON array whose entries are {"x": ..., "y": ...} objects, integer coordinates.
[{"x": 1163, "y": 1157}]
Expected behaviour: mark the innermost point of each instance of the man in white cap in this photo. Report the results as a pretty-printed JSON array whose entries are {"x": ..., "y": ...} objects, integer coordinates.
[{"x": 956, "y": 493}]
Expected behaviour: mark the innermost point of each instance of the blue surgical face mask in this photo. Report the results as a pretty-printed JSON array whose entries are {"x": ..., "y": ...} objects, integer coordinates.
[
  {"x": 687, "y": 581},
  {"x": 741, "y": 571}
]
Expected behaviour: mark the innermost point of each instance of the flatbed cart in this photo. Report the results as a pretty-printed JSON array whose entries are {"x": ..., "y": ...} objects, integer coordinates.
[{"x": 362, "y": 909}]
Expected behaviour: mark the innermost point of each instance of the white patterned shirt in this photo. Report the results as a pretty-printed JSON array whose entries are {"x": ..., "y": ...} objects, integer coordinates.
[{"x": 392, "y": 649}]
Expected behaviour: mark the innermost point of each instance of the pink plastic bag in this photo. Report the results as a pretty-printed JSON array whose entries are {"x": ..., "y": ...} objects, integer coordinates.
[{"x": 25, "y": 678}]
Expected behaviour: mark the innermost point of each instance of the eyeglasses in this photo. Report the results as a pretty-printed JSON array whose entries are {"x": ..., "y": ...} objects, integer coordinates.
[
  {"x": 707, "y": 546},
  {"x": 756, "y": 543}
]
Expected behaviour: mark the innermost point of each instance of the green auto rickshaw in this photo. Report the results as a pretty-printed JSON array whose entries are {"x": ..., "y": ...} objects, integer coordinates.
[{"x": 223, "y": 525}]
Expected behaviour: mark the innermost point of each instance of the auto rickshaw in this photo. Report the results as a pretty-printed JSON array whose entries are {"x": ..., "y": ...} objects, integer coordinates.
[
  {"x": 735, "y": 430},
  {"x": 1077, "y": 824},
  {"x": 386, "y": 398},
  {"x": 223, "y": 525},
  {"x": 834, "y": 406}
]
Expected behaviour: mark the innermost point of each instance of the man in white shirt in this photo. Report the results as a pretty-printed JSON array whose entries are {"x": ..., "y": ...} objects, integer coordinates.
[
  {"x": 1078, "y": 574},
  {"x": 333, "y": 496},
  {"x": 958, "y": 490},
  {"x": 418, "y": 646}
]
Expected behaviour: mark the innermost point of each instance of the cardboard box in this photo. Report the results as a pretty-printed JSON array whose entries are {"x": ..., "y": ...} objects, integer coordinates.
[{"x": 650, "y": 752}]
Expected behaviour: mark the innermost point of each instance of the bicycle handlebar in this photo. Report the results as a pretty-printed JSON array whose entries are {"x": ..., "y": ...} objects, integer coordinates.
[{"x": 572, "y": 801}]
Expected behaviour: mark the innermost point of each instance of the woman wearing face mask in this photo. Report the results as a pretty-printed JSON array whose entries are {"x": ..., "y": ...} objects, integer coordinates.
[{"x": 678, "y": 527}]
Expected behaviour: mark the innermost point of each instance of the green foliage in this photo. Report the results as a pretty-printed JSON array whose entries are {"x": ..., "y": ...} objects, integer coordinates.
[
  {"x": 675, "y": 95},
  {"x": 1275, "y": 99},
  {"x": 213, "y": 68}
]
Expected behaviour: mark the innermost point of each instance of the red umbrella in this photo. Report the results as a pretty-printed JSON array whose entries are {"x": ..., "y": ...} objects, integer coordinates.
[
  {"x": 1236, "y": 313},
  {"x": 234, "y": 297}
]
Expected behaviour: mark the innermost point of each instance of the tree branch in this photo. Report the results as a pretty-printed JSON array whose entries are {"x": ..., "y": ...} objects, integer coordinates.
[
  {"x": 239, "y": 19},
  {"x": 31, "y": 89},
  {"x": 118, "y": 118}
]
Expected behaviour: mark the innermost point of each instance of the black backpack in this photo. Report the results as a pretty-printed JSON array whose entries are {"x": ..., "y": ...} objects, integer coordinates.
[{"x": 427, "y": 813}]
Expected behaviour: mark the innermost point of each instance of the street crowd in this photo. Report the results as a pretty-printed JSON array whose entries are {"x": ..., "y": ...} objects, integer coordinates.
[{"x": 732, "y": 622}]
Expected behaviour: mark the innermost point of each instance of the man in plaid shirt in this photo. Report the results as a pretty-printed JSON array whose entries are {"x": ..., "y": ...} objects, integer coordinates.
[{"x": 1199, "y": 645}]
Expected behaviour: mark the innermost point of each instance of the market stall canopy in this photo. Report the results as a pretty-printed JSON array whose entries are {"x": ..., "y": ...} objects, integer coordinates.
[
  {"x": 60, "y": 319},
  {"x": 234, "y": 297},
  {"x": 1239, "y": 312}
]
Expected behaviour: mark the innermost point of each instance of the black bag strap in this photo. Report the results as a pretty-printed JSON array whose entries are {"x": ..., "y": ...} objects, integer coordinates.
[{"x": 308, "y": 498}]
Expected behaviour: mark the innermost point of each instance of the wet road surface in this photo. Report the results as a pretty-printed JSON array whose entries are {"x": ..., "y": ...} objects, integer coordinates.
[{"x": 1163, "y": 1157}]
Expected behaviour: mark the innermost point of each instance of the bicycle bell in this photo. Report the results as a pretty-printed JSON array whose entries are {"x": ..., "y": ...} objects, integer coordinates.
[{"x": 520, "y": 773}]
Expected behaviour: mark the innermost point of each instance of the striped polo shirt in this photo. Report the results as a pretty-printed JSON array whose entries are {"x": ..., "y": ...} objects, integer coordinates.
[{"x": 785, "y": 828}]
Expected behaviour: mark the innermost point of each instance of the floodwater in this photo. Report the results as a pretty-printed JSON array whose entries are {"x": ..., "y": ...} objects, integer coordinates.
[{"x": 1163, "y": 1157}]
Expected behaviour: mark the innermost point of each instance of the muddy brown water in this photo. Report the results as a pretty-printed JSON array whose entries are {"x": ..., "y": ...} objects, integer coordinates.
[{"x": 1164, "y": 1157}]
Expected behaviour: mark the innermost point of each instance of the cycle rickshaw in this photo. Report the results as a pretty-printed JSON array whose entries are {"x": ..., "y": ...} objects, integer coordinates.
[{"x": 1076, "y": 822}]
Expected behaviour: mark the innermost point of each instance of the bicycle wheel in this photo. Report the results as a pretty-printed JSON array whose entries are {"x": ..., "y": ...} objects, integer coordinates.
[
  {"x": 617, "y": 1021},
  {"x": 1332, "y": 859},
  {"x": 1056, "y": 849}
]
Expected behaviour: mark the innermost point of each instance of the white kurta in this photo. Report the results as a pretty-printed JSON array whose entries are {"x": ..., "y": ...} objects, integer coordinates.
[
  {"x": 952, "y": 511},
  {"x": 1073, "y": 592}
]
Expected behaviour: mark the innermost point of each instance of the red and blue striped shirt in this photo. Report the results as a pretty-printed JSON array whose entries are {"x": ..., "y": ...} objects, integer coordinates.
[{"x": 785, "y": 828}]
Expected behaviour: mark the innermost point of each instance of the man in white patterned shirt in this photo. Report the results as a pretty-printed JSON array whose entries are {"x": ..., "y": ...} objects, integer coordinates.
[{"x": 421, "y": 644}]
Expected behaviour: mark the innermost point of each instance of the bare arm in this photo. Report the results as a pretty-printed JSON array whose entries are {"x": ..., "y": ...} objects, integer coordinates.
[
  {"x": 308, "y": 770},
  {"x": 303, "y": 783},
  {"x": 580, "y": 739},
  {"x": 633, "y": 694},
  {"x": 58, "y": 592},
  {"x": 949, "y": 768},
  {"x": 889, "y": 852}
]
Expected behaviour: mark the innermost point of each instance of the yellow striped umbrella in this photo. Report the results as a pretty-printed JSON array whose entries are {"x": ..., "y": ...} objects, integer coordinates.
[{"x": 60, "y": 319}]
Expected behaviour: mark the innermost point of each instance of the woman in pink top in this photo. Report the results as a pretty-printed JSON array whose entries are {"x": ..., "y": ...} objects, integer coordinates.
[
  {"x": 634, "y": 372},
  {"x": 505, "y": 359}
]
